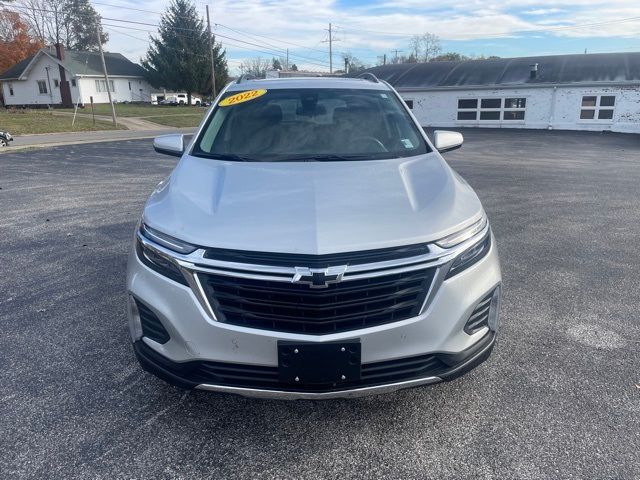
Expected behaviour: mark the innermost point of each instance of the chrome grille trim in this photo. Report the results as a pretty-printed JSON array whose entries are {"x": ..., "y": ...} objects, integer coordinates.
[{"x": 195, "y": 262}]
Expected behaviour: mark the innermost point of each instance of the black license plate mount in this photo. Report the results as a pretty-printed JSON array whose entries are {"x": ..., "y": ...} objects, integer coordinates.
[{"x": 330, "y": 363}]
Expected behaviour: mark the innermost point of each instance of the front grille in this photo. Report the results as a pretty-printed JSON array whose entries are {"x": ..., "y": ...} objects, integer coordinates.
[
  {"x": 320, "y": 261},
  {"x": 258, "y": 376},
  {"x": 297, "y": 308}
]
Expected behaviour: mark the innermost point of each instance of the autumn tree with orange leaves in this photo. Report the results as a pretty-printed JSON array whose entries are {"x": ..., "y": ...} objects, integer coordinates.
[{"x": 15, "y": 42}]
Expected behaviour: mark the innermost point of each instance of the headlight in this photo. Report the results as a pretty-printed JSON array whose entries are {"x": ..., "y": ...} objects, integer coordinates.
[
  {"x": 470, "y": 256},
  {"x": 156, "y": 260},
  {"x": 167, "y": 241},
  {"x": 475, "y": 252},
  {"x": 464, "y": 234}
]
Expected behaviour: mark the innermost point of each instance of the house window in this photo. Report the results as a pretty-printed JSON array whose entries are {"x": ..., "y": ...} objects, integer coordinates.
[
  {"x": 10, "y": 85},
  {"x": 491, "y": 109},
  {"x": 56, "y": 82},
  {"x": 129, "y": 85},
  {"x": 73, "y": 82},
  {"x": 101, "y": 86},
  {"x": 42, "y": 87},
  {"x": 409, "y": 104},
  {"x": 597, "y": 107}
]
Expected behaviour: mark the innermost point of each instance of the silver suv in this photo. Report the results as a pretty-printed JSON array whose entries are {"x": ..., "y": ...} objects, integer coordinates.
[{"x": 312, "y": 243}]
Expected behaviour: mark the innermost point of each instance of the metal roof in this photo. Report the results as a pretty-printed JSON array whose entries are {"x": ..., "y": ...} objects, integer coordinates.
[
  {"x": 556, "y": 69},
  {"x": 82, "y": 63}
]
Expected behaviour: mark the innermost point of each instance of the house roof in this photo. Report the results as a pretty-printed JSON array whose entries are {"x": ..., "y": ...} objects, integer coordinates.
[
  {"x": 556, "y": 69},
  {"x": 81, "y": 64}
]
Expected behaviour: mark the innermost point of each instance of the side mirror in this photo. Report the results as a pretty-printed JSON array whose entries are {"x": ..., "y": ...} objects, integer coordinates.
[
  {"x": 445, "y": 141},
  {"x": 169, "y": 144}
]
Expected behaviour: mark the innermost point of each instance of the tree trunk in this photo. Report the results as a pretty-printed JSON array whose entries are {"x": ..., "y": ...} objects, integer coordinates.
[{"x": 188, "y": 98}]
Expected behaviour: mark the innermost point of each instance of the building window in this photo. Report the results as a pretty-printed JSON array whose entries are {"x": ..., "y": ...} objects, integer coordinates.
[
  {"x": 491, "y": 103},
  {"x": 514, "y": 108},
  {"x": 10, "y": 85},
  {"x": 409, "y": 104},
  {"x": 101, "y": 86},
  {"x": 468, "y": 103},
  {"x": 129, "y": 85},
  {"x": 597, "y": 107},
  {"x": 56, "y": 82},
  {"x": 42, "y": 87},
  {"x": 73, "y": 80},
  {"x": 491, "y": 109}
]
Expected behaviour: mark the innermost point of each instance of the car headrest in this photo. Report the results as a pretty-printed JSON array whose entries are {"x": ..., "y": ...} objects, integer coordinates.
[
  {"x": 272, "y": 113},
  {"x": 318, "y": 110}
]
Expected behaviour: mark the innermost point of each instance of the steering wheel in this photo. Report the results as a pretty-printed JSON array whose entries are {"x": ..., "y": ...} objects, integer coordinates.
[{"x": 369, "y": 141}]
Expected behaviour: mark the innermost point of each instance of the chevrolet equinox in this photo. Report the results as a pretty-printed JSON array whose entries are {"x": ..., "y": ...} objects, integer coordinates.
[{"x": 312, "y": 243}]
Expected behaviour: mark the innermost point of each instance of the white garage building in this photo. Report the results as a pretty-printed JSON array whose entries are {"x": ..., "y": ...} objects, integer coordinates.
[
  {"x": 36, "y": 81},
  {"x": 570, "y": 92}
]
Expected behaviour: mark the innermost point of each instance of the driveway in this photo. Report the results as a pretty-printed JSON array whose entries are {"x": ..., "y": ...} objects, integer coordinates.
[{"x": 559, "y": 398}]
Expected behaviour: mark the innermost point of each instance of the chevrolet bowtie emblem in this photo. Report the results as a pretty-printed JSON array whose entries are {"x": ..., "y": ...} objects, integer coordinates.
[{"x": 319, "y": 277}]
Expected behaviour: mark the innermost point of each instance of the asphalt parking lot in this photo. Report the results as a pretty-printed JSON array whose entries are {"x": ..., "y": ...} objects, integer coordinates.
[{"x": 559, "y": 398}]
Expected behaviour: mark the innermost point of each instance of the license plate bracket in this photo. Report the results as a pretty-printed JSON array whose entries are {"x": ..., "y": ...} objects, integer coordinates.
[{"x": 329, "y": 363}]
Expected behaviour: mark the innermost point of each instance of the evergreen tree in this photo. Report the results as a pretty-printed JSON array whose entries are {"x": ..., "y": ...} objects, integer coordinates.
[
  {"x": 79, "y": 26},
  {"x": 179, "y": 58}
]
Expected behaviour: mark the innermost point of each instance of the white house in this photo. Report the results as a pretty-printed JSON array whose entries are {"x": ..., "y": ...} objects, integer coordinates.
[
  {"x": 569, "y": 92},
  {"x": 35, "y": 81}
]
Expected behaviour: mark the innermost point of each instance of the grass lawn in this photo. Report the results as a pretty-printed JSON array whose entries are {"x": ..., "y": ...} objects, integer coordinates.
[
  {"x": 26, "y": 122},
  {"x": 190, "y": 120},
  {"x": 140, "y": 110}
]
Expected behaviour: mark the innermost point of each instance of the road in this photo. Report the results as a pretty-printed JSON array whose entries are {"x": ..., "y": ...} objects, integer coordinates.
[
  {"x": 48, "y": 140},
  {"x": 559, "y": 398}
]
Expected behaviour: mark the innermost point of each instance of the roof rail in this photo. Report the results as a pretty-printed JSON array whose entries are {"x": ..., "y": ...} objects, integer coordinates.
[
  {"x": 244, "y": 78},
  {"x": 369, "y": 76}
]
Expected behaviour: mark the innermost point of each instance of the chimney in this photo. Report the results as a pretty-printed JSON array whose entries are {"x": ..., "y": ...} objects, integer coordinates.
[
  {"x": 59, "y": 51},
  {"x": 533, "y": 73},
  {"x": 65, "y": 89}
]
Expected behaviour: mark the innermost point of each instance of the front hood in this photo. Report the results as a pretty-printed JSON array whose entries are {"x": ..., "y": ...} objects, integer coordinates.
[{"x": 311, "y": 207}]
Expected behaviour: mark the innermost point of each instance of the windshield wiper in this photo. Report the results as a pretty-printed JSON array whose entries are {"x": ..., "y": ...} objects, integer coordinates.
[{"x": 226, "y": 156}]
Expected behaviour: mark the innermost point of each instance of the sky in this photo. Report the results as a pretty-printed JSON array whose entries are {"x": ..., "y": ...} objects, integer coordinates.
[{"x": 370, "y": 29}]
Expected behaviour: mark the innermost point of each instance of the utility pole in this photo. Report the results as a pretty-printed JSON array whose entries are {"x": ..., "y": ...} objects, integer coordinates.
[
  {"x": 213, "y": 68},
  {"x": 396, "y": 50},
  {"x": 106, "y": 76},
  {"x": 384, "y": 59},
  {"x": 330, "y": 41},
  {"x": 346, "y": 65},
  {"x": 287, "y": 64},
  {"x": 330, "y": 50}
]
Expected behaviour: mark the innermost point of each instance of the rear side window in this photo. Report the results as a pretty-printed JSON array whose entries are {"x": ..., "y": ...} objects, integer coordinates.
[{"x": 310, "y": 124}]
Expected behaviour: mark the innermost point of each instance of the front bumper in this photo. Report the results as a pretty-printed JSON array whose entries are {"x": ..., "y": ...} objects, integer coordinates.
[
  {"x": 188, "y": 375},
  {"x": 200, "y": 344}
]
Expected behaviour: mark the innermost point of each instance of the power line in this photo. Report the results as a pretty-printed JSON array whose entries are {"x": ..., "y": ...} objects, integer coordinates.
[
  {"x": 286, "y": 42},
  {"x": 224, "y": 44}
]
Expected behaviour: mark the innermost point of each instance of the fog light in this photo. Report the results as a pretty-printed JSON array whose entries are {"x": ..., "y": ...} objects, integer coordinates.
[{"x": 135, "y": 325}]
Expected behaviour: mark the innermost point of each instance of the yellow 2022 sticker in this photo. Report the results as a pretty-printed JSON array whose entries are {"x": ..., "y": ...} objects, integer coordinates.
[{"x": 242, "y": 97}]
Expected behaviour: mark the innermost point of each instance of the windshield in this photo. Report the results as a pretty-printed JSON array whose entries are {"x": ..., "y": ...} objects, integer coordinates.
[{"x": 309, "y": 124}]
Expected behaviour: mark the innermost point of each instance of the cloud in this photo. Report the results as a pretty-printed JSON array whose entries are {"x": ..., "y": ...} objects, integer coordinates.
[
  {"x": 377, "y": 27},
  {"x": 544, "y": 11}
]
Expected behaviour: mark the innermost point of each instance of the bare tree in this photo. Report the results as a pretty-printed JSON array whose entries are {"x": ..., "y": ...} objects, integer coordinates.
[
  {"x": 70, "y": 22},
  {"x": 431, "y": 46},
  {"x": 424, "y": 47},
  {"x": 255, "y": 67}
]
